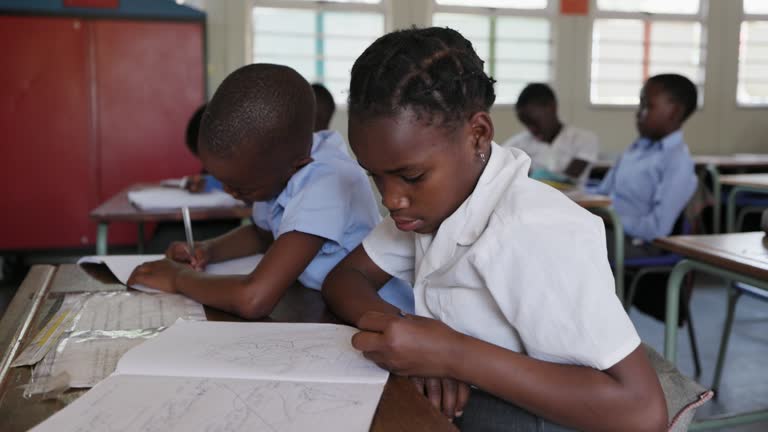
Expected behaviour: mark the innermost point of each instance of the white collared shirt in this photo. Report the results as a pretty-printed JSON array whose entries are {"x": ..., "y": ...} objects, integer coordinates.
[
  {"x": 519, "y": 265},
  {"x": 571, "y": 143}
]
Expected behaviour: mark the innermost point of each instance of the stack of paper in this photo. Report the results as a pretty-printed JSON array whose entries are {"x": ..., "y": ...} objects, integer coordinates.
[
  {"x": 164, "y": 198},
  {"x": 205, "y": 376}
]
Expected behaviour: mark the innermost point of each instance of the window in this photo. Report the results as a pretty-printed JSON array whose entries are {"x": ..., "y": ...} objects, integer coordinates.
[
  {"x": 514, "y": 37},
  {"x": 320, "y": 39},
  {"x": 752, "y": 88},
  {"x": 635, "y": 39}
]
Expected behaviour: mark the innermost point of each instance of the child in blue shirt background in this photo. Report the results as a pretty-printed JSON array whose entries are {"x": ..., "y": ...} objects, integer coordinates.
[{"x": 653, "y": 180}]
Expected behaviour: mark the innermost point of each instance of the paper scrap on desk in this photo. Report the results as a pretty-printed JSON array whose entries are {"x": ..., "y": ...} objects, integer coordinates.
[
  {"x": 86, "y": 357},
  {"x": 126, "y": 310},
  {"x": 123, "y": 265},
  {"x": 180, "y": 183},
  {"x": 62, "y": 321},
  {"x": 163, "y": 198}
]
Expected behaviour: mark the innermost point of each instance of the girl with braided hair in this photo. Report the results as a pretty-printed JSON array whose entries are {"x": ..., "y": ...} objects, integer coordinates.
[{"x": 517, "y": 326}]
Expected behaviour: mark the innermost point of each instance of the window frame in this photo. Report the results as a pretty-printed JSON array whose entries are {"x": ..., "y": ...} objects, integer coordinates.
[
  {"x": 550, "y": 13},
  {"x": 596, "y": 14},
  {"x": 384, "y": 7},
  {"x": 745, "y": 17}
]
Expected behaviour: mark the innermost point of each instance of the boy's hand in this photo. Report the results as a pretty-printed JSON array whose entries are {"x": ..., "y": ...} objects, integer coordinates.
[
  {"x": 159, "y": 275},
  {"x": 179, "y": 252},
  {"x": 408, "y": 345},
  {"x": 446, "y": 394},
  {"x": 195, "y": 183}
]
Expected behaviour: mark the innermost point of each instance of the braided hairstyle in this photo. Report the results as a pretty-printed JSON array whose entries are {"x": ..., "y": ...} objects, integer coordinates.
[{"x": 433, "y": 72}]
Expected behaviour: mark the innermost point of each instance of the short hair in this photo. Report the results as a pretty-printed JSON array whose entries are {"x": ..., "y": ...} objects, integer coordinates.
[
  {"x": 536, "y": 94},
  {"x": 680, "y": 89},
  {"x": 268, "y": 103},
  {"x": 433, "y": 71},
  {"x": 193, "y": 129},
  {"x": 325, "y": 106}
]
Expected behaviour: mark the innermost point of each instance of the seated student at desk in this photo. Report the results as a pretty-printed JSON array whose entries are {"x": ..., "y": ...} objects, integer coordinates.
[
  {"x": 202, "y": 182},
  {"x": 558, "y": 152},
  {"x": 653, "y": 180},
  {"x": 312, "y": 204}
]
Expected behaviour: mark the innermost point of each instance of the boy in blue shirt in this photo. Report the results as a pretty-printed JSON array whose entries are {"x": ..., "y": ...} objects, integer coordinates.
[
  {"x": 653, "y": 180},
  {"x": 312, "y": 204}
]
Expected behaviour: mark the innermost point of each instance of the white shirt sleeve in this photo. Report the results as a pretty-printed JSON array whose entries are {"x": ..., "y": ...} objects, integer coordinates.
[
  {"x": 586, "y": 144},
  {"x": 394, "y": 251},
  {"x": 555, "y": 287}
]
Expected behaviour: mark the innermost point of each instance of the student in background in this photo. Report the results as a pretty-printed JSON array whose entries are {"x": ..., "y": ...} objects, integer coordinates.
[
  {"x": 199, "y": 182},
  {"x": 513, "y": 289},
  {"x": 312, "y": 204},
  {"x": 653, "y": 180},
  {"x": 558, "y": 152},
  {"x": 325, "y": 106}
]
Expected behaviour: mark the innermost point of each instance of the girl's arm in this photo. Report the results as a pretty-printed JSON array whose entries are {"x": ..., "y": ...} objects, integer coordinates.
[
  {"x": 350, "y": 289},
  {"x": 626, "y": 396}
]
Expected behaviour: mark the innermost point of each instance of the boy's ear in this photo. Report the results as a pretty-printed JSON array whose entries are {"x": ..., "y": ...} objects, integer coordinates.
[
  {"x": 481, "y": 127},
  {"x": 301, "y": 163}
]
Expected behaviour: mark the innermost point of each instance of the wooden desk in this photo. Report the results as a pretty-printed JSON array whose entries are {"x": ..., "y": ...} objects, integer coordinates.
[
  {"x": 401, "y": 407},
  {"x": 119, "y": 209},
  {"x": 741, "y": 183},
  {"x": 601, "y": 204},
  {"x": 736, "y": 257}
]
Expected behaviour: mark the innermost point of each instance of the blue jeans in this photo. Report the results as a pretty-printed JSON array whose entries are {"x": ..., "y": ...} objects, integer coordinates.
[{"x": 487, "y": 413}]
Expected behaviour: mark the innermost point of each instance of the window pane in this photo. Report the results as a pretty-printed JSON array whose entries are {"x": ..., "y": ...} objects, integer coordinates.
[
  {"x": 621, "y": 62},
  {"x": 476, "y": 28},
  {"x": 321, "y": 46},
  {"x": 756, "y": 7},
  {"x": 753, "y": 63},
  {"x": 344, "y": 1},
  {"x": 511, "y": 4},
  {"x": 650, "y": 6}
]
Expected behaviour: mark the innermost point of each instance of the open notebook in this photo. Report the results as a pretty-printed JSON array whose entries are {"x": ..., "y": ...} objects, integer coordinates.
[
  {"x": 123, "y": 265},
  {"x": 234, "y": 376}
]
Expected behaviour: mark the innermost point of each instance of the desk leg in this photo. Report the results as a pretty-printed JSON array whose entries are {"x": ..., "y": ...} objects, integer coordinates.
[
  {"x": 717, "y": 195},
  {"x": 101, "y": 238},
  {"x": 140, "y": 240},
  {"x": 618, "y": 248}
]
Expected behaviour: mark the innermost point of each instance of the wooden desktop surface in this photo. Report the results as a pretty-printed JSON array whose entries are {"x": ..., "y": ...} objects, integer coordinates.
[
  {"x": 118, "y": 208},
  {"x": 745, "y": 253},
  {"x": 722, "y": 161},
  {"x": 750, "y": 180},
  {"x": 401, "y": 407},
  {"x": 588, "y": 200}
]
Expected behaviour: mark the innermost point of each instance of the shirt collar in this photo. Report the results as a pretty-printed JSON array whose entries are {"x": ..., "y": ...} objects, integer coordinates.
[
  {"x": 471, "y": 218},
  {"x": 670, "y": 141}
]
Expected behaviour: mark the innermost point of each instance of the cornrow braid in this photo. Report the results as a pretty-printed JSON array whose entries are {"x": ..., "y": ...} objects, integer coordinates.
[{"x": 434, "y": 72}]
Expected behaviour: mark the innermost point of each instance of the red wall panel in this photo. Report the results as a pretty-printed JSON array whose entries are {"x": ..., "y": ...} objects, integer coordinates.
[
  {"x": 149, "y": 81},
  {"x": 47, "y": 180}
]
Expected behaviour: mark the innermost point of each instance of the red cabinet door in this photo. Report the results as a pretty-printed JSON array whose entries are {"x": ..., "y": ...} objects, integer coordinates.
[
  {"x": 48, "y": 185},
  {"x": 149, "y": 81}
]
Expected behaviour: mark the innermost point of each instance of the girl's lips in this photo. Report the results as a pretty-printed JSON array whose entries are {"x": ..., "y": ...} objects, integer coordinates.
[{"x": 407, "y": 224}]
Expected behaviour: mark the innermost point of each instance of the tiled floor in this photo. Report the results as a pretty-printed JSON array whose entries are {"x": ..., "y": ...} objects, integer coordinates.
[{"x": 744, "y": 385}]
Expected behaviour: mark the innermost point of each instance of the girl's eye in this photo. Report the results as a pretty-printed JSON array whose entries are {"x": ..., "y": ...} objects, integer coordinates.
[{"x": 412, "y": 179}]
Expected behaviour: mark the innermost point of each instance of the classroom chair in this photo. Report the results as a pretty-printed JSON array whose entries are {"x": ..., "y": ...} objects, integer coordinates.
[
  {"x": 663, "y": 264},
  {"x": 735, "y": 290}
]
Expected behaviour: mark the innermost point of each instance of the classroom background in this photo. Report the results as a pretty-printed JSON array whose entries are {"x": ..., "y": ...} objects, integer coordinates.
[{"x": 594, "y": 53}]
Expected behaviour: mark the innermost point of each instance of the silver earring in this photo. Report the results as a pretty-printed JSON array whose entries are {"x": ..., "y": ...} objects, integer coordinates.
[{"x": 482, "y": 157}]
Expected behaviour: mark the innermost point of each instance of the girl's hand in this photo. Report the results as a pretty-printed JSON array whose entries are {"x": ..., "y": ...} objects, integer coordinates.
[
  {"x": 446, "y": 394},
  {"x": 160, "y": 275},
  {"x": 408, "y": 345},
  {"x": 179, "y": 252}
]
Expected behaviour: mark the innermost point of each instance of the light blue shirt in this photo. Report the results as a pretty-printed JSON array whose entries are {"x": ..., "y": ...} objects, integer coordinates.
[
  {"x": 650, "y": 185},
  {"x": 331, "y": 198}
]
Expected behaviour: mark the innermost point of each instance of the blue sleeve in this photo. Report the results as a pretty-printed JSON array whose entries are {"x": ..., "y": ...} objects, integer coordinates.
[
  {"x": 212, "y": 184},
  {"x": 606, "y": 185},
  {"x": 671, "y": 194},
  {"x": 320, "y": 207}
]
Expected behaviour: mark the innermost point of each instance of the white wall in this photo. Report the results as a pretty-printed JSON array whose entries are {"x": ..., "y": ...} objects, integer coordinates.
[{"x": 720, "y": 127}]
